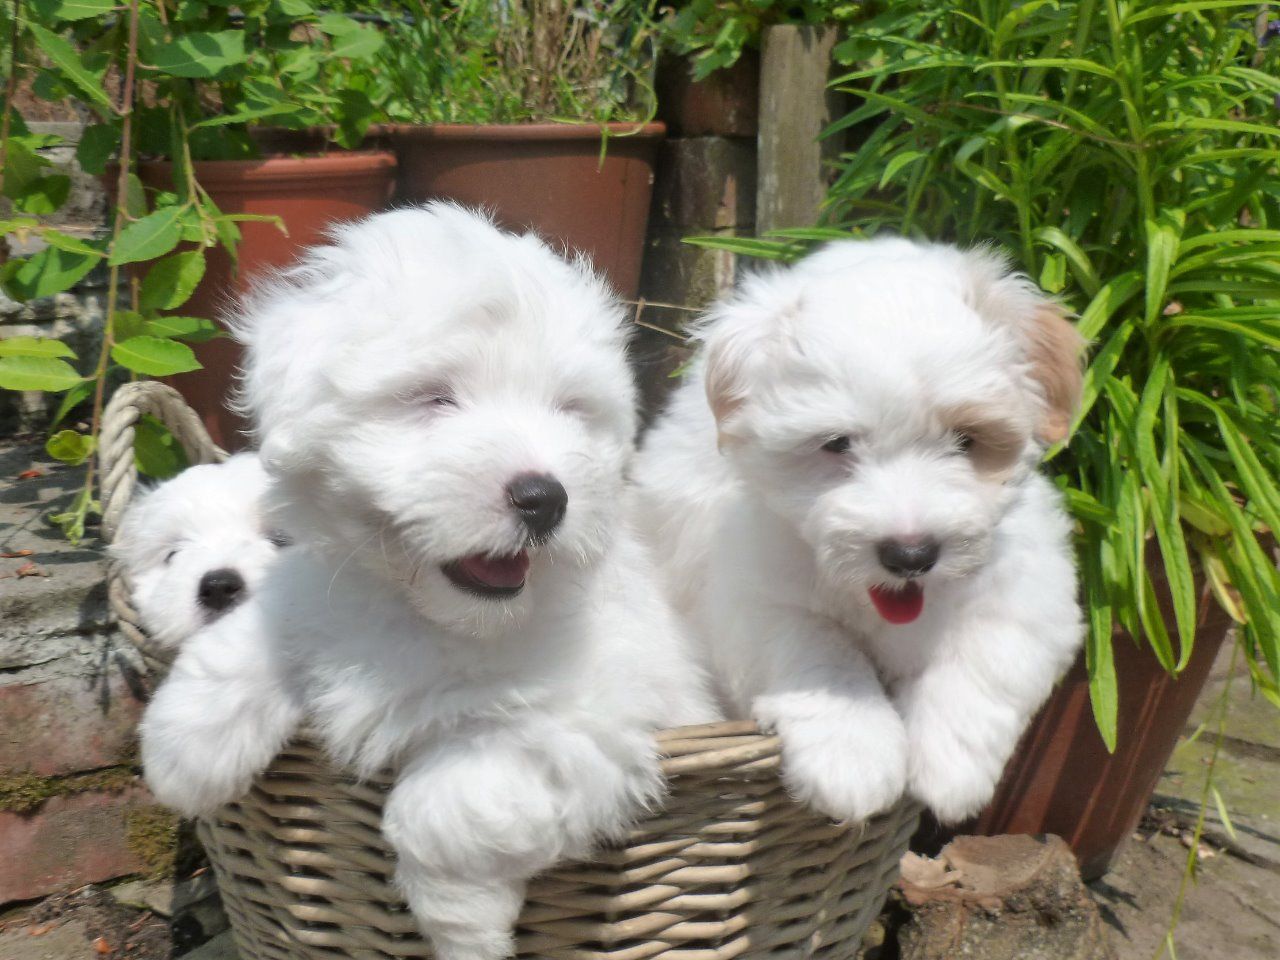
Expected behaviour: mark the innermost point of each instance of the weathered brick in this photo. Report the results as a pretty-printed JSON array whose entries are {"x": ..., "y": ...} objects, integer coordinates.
[
  {"x": 66, "y": 724},
  {"x": 68, "y": 842},
  {"x": 727, "y": 103},
  {"x": 679, "y": 273},
  {"x": 705, "y": 183}
]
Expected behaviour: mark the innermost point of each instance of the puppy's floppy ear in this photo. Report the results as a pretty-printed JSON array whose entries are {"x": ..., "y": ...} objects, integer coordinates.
[
  {"x": 1052, "y": 347},
  {"x": 1056, "y": 353},
  {"x": 739, "y": 335}
]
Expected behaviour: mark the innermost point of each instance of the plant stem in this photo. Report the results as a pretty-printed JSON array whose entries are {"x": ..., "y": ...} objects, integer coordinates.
[
  {"x": 122, "y": 189},
  {"x": 10, "y": 92}
]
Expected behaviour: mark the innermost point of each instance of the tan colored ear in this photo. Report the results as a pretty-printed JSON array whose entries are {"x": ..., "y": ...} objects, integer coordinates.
[
  {"x": 722, "y": 381},
  {"x": 1056, "y": 352}
]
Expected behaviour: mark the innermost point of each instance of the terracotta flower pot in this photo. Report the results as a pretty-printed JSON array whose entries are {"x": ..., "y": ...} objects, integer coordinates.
[
  {"x": 1062, "y": 780},
  {"x": 308, "y": 194},
  {"x": 542, "y": 176}
]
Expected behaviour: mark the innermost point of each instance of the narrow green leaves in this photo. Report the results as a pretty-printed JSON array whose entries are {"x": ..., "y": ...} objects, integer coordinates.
[{"x": 1163, "y": 235}]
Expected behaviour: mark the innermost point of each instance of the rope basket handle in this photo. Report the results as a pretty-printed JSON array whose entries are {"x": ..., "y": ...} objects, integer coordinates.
[{"x": 118, "y": 473}]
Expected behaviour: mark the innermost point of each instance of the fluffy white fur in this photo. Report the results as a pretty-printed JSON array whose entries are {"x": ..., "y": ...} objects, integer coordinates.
[
  {"x": 400, "y": 379},
  {"x": 185, "y": 544},
  {"x": 945, "y": 376}
]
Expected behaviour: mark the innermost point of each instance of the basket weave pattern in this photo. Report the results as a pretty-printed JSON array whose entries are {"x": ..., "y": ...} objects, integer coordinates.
[{"x": 730, "y": 867}]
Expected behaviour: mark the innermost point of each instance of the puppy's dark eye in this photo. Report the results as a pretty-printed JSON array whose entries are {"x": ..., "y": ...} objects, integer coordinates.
[
  {"x": 963, "y": 441},
  {"x": 837, "y": 445},
  {"x": 170, "y": 555},
  {"x": 278, "y": 538},
  {"x": 440, "y": 400}
]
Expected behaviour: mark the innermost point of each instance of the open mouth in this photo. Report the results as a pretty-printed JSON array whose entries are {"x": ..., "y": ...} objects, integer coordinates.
[
  {"x": 898, "y": 604},
  {"x": 490, "y": 577}
]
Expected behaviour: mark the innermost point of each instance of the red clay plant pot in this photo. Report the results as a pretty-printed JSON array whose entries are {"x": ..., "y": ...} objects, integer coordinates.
[
  {"x": 1062, "y": 780},
  {"x": 308, "y": 194},
  {"x": 548, "y": 177}
]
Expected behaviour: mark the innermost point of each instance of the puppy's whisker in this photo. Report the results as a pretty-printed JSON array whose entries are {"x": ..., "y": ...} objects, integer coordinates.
[{"x": 328, "y": 594}]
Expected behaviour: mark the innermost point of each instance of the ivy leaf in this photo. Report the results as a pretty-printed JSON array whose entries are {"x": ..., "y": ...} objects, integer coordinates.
[
  {"x": 155, "y": 451},
  {"x": 72, "y": 522},
  {"x": 154, "y": 356},
  {"x": 200, "y": 55},
  {"x": 190, "y": 329},
  {"x": 246, "y": 114},
  {"x": 35, "y": 347},
  {"x": 152, "y": 236},
  {"x": 69, "y": 446},
  {"x": 50, "y": 374},
  {"x": 170, "y": 283},
  {"x": 22, "y": 167},
  {"x": 44, "y": 195},
  {"x": 351, "y": 40},
  {"x": 50, "y": 271},
  {"x": 72, "y": 399},
  {"x": 135, "y": 197},
  {"x": 127, "y": 323},
  {"x": 98, "y": 142},
  {"x": 64, "y": 241},
  {"x": 72, "y": 67},
  {"x": 52, "y": 10}
]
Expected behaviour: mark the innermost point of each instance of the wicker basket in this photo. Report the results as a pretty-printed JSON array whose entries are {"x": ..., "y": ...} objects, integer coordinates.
[{"x": 731, "y": 867}]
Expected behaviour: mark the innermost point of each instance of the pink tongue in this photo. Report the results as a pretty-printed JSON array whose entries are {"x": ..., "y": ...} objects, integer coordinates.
[
  {"x": 497, "y": 572},
  {"x": 898, "y": 606}
]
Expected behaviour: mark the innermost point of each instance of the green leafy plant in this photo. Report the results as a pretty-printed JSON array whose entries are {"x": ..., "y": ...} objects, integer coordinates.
[
  {"x": 180, "y": 80},
  {"x": 474, "y": 61},
  {"x": 714, "y": 33},
  {"x": 1126, "y": 155}
]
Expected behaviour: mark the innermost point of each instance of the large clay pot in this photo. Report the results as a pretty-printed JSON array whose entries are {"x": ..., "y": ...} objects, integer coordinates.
[
  {"x": 548, "y": 177},
  {"x": 308, "y": 194},
  {"x": 1062, "y": 780}
]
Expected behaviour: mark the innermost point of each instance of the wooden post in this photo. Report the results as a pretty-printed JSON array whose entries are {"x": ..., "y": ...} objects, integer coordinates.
[{"x": 795, "y": 107}]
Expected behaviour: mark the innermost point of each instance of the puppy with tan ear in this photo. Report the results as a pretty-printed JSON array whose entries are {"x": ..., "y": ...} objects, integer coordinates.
[{"x": 846, "y": 498}]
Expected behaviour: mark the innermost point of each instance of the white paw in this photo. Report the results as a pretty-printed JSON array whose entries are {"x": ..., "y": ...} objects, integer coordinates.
[
  {"x": 949, "y": 777},
  {"x": 188, "y": 775},
  {"x": 465, "y": 919},
  {"x": 479, "y": 947},
  {"x": 845, "y": 773}
]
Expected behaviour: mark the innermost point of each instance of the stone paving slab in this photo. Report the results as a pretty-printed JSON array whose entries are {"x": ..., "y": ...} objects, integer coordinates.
[
  {"x": 1232, "y": 913},
  {"x": 1247, "y": 773}
]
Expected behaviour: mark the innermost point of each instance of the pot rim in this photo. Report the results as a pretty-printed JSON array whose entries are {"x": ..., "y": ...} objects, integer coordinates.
[
  {"x": 521, "y": 131},
  {"x": 327, "y": 165}
]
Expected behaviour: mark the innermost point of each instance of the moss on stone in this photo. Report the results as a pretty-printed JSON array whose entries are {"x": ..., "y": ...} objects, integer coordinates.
[
  {"x": 153, "y": 834},
  {"x": 24, "y": 793}
]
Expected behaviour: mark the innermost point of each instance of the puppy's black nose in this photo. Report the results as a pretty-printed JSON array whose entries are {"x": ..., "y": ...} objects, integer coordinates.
[
  {"x": 220, "y": 590},
  {"x": 912, "y": 557},
  {"x": 540, "y": 500}
]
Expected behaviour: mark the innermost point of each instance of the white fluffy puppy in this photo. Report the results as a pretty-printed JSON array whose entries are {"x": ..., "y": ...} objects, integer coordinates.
[
  {"x": 197, "y": 546},
  {"x": 448, "y": 412},
  {"x": 847, "y": 501}
]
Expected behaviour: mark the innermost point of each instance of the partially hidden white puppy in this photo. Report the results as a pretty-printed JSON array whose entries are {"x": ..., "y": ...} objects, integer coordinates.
[
  {"x": 447, "y": 412},
  {"x": 196, "y": 546},
  {"x": 846, "y": 499}
]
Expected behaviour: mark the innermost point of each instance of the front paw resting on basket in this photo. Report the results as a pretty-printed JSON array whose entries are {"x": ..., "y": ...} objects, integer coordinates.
[
  {"x": 473, "y": 820},
  {"x": 846, "y": 760},
  {"x": 217, "y": 721}
]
